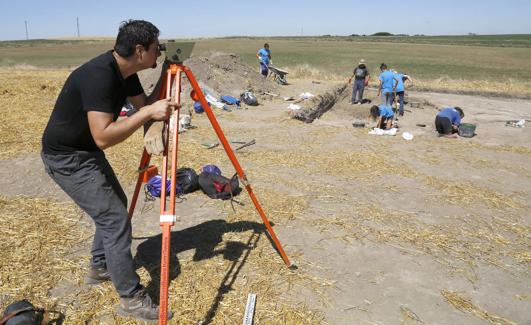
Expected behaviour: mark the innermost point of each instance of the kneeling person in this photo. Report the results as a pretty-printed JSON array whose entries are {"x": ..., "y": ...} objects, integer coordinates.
[
  {"x": 447, "y": 121},
  {"x": 384, "y": 115}
]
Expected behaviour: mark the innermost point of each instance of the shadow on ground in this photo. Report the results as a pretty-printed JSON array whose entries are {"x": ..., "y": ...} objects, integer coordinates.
[{"x": 203, "y": 238}]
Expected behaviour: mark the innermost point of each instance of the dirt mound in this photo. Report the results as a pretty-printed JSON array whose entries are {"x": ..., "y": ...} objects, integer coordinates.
[
  {"x": 228, "y": 75},
  {"x": 224, "y": 73}
]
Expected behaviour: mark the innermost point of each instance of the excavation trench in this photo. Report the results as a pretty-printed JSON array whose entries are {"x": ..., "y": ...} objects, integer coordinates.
[{"x": 317, "y": 106}]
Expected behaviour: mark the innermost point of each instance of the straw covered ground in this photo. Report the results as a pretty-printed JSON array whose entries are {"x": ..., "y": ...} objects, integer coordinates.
[{"x": 383, "y": 231}]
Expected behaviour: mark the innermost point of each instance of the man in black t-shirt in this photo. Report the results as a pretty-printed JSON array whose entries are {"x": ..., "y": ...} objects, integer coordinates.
[
  {"x": 361, "y": 79},
  {"x": 83, "y": 123}
]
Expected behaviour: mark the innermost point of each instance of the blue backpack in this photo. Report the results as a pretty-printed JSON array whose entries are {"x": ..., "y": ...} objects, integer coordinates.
[{"x": 230, "y": 100}]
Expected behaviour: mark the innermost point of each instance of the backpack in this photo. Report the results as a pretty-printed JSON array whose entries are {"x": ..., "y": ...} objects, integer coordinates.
[
  {"x": 186, "y": 179},
  {"x": 230, "y": 100},
  {"x": 24, "y": 313},
  {"x": 219, "y": 187},
  {"x": 249, "y": 98}
]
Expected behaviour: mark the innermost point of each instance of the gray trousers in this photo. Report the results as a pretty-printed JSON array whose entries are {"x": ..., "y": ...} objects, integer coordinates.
[
  {"x": 88, "y": 178},
  {"x": 357, "y": 90}
]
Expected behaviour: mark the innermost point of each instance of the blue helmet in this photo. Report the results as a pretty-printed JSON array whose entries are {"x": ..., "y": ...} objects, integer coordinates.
[
  {"x": 212, "y": 169},
  {"x": 198, "y": 108}
]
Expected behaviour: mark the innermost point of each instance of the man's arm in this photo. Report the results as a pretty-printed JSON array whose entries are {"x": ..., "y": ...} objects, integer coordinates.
[
  {"x": 367, "y": 78},
  {"x": 378, "y": 124},
  {"x": 107, "y": 133},
  {"x": 379, "y": 87}
]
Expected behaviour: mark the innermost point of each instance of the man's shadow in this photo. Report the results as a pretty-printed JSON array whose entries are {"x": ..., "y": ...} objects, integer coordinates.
[{"x": 203, "y": 238}]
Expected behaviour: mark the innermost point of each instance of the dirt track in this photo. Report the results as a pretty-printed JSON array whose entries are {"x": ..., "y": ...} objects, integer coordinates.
[{"x": 395, "y": 237}]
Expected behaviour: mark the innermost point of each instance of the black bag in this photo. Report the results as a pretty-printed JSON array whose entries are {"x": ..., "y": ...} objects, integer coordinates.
[
  {"x": 187, "y": 180},
  {"x": 219, "y": 187},
  {"x": 249, "y": 98},
  {"x": 24, "y": 313}
]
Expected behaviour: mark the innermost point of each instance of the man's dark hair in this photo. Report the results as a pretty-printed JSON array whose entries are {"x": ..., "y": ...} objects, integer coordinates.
[
  {"x": 460, "y": 110},
  {"x": 375, "y": 111},
  {"x": 266, "y": 45},
  {"x": 132, "y": 33},
  {"x": 383, "y": 66}
]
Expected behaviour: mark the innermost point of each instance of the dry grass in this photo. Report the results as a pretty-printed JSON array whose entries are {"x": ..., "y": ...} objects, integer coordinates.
[
  {"x": 465, "y": 305},
  {"x": 234, "y": 259},
  {"x": 507, "y": 87},
  {"x": 305, "y": 71},
  {"x": 26, "y": 101}
]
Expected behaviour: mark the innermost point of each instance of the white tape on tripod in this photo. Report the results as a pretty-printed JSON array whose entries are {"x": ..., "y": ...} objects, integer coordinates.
[
  {"x": 168, "y": 218},
  {"x": 249, "y": 309}
]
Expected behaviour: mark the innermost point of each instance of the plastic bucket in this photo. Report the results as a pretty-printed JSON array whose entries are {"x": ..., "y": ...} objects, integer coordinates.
[{"x": 467, "y": 130}]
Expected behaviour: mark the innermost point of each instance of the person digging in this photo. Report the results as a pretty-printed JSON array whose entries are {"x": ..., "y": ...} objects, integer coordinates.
[{"x": 447, "y": 121}]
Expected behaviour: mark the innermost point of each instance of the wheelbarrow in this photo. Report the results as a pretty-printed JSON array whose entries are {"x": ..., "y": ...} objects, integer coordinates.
[{"x": 278, "y": 75}]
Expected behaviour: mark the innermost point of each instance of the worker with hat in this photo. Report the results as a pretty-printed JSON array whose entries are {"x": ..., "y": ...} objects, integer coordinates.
[{"x": 361, "y": 79}]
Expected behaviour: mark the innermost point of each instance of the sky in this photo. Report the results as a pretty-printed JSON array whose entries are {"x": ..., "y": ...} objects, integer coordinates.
[{"x": 208, "y": 18}]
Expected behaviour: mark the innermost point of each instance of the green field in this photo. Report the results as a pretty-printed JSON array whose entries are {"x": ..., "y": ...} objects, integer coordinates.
[{"x": 495, "y": 59}]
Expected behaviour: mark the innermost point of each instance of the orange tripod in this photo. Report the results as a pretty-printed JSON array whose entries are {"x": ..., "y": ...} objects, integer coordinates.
[{"x": 167, "y": 214}]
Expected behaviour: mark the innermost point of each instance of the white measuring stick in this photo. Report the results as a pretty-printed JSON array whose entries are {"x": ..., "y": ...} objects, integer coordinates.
[{"x": 249, "y": 309}]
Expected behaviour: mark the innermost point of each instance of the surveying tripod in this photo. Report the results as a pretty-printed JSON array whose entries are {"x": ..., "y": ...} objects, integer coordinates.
[{"x": 171, "y": 80}]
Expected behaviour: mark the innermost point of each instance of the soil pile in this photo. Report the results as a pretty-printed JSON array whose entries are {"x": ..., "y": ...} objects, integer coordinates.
[{"x": 224, "y": 73}]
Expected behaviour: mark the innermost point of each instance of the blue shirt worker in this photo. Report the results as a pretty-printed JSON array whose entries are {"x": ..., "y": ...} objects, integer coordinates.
[
  {"x": 264, "y": 58},
  {"x": 387, "y": 85},
  {"x": 384, "y": 115},
  {"x": 448, "y": 120},
  {"x": 400, "y": 90}
]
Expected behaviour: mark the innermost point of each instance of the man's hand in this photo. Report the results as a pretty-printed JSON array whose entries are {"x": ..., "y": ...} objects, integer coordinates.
[
  {"x": 154, "y": 135},
  {"x": 161, "y": 109},
  {"x": 154, "y": 138}
]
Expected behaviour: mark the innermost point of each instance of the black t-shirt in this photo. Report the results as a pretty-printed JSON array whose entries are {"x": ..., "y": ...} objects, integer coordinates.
[
  {"x": 97, "y": 85},
  {"x": 360, "y": 72}
]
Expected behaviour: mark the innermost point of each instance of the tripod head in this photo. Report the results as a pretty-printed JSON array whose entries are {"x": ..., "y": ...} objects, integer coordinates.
[{"x": 177, "y": 52}]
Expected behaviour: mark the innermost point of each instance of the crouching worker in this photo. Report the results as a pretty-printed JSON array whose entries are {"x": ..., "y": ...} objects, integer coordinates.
[
  {"x": 83, "y": 123},
  {"x": 383, "y": 115},
  {"x": 447, "y": 121}
]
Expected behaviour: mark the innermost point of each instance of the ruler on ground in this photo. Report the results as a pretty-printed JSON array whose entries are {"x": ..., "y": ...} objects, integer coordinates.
[{"x": 249, "y": 309}]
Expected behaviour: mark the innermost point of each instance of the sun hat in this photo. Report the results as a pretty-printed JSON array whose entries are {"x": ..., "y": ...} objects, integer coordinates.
[{"x": 362, "y": 61}]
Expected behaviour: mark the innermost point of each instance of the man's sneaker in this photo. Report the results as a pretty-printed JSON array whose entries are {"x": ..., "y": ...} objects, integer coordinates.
[
  {"x": 97, "y": 275},
  {"x": 140, "y": 307}
]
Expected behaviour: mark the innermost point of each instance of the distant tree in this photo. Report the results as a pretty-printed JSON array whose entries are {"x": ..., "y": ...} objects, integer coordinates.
[
  {"x": 354, "y": 35},
  {"x": 382, "y": 34}
]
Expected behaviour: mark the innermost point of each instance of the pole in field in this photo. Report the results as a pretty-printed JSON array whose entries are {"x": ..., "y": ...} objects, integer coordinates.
[
  {"x": 77, "y": 23},
  {"x": 26, "y": 23}
]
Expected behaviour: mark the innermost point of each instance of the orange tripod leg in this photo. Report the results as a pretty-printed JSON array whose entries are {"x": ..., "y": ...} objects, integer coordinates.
[
  {"x": 167, "y": 216},
  {"x": 235, "y": 163},
  {"x": 144, "y": 163}
]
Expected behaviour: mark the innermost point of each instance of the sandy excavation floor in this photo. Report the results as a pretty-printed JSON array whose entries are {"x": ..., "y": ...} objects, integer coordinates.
[{"x": 428, "y": 231}]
